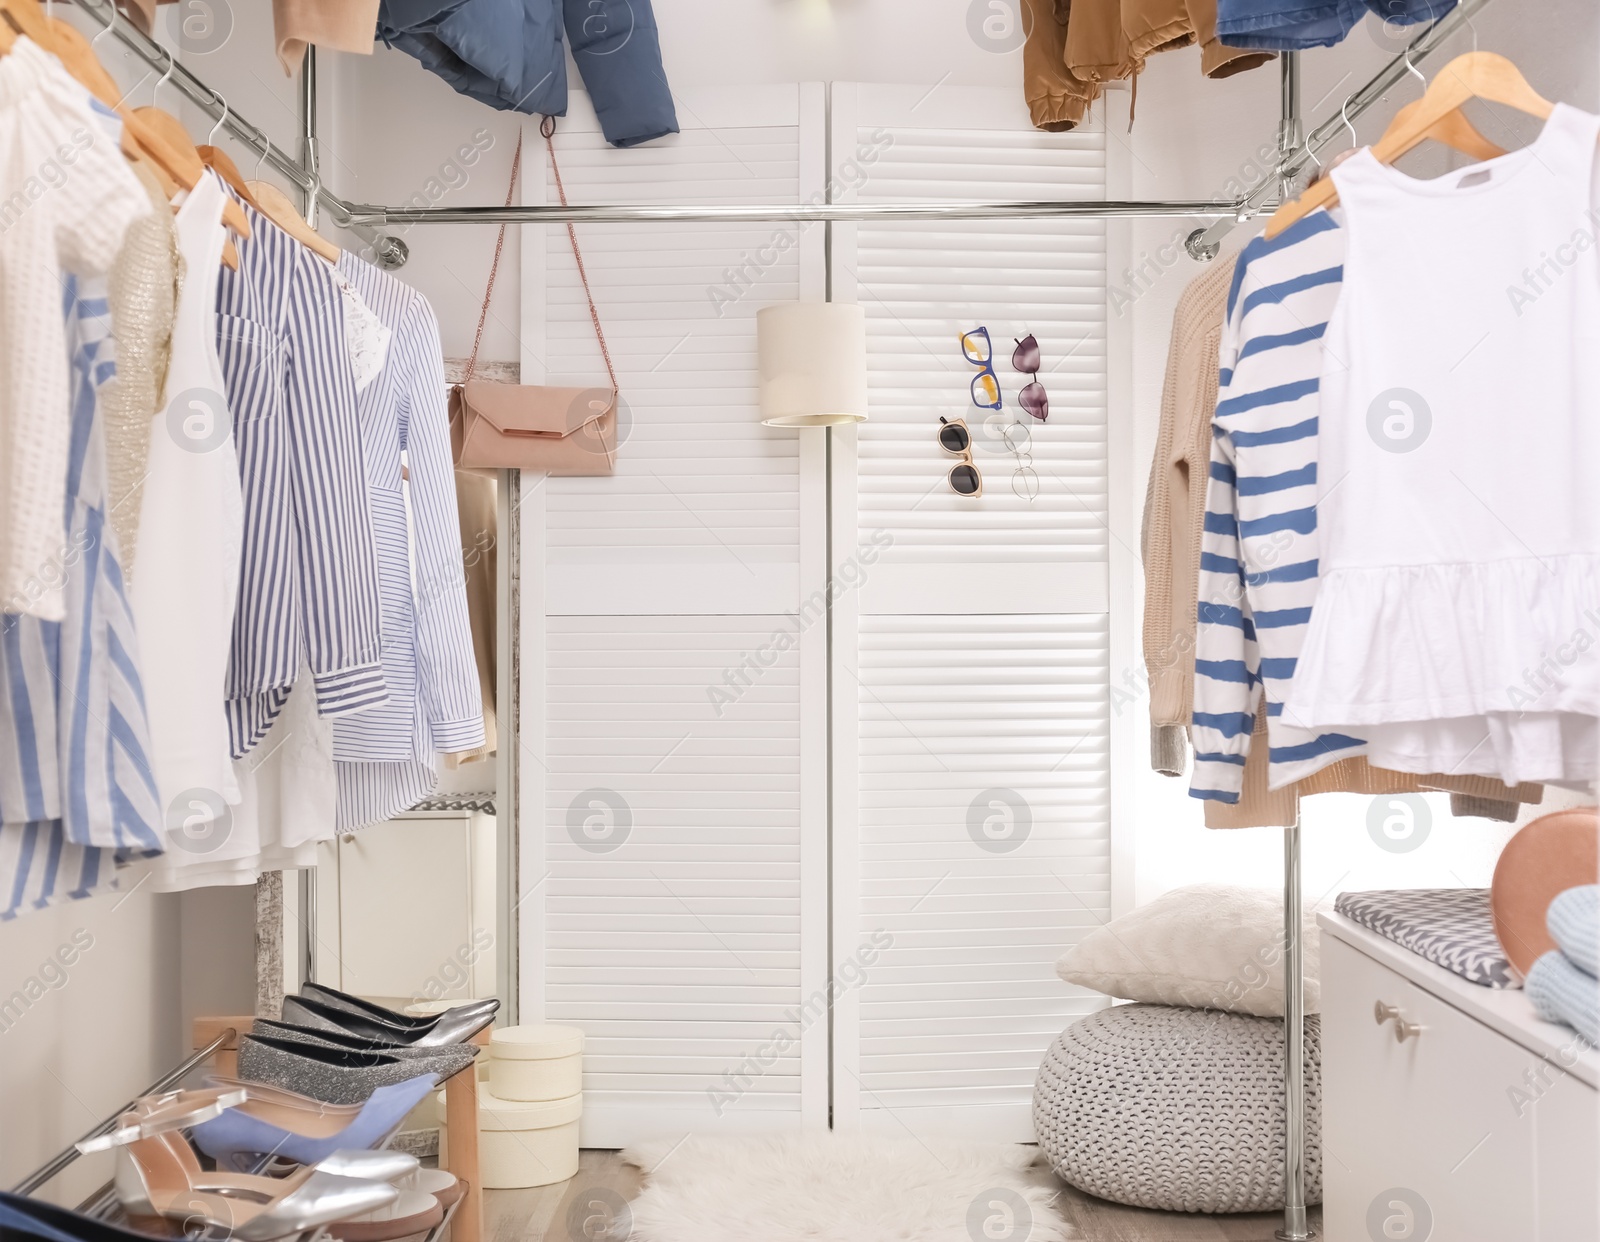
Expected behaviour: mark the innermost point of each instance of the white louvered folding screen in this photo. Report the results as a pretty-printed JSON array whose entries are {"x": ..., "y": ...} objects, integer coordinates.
[
  {"x": 673, "y": 759},
  {"x": 679, "y": 902},
  {"x": 970, "y": 714}
]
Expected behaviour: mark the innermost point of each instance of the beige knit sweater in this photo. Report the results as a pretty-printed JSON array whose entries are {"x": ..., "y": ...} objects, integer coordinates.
[
  {"x": 344, "y": 25},
  {"x": 1174, "y": 517}
]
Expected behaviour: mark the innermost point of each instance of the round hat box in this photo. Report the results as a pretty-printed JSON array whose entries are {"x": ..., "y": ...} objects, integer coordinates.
[
  {"x": 521, "y": 1144},
  {"x": 533, "y": 1063}
]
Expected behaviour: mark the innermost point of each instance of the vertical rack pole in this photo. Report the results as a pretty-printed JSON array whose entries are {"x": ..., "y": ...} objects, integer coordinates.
[
  {"x": 309, "y": 158},
  {"x": 1294, "y": 996},
  {"x": 309, "y": 155},
  {"x": 1294, "y": 1037},
  {"x": 1289, "y": 136}
]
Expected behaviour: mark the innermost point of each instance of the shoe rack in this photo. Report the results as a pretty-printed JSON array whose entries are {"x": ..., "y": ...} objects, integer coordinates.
[{"x": 219, "y": 1039}]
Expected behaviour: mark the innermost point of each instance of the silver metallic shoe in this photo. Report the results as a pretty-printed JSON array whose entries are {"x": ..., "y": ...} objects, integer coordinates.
[
  {"x": 157, "y": 1175},
  {"x": 337, "y": 1039},
  {"x": 354, "y": 1004},
  {"x": 454, "y": 1026},
  {"x": 374, "y": 1166}
]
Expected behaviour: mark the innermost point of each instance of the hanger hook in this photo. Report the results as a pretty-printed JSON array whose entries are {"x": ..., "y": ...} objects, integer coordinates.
[
  {"x": 172, "y": 64},
  {"x": 1311, "y": 154},
  {"x": 1472, "y": 26},
  {"x": 266, "y": 146},
  {"x": 108, "y": 27},
  {"x": 211, "y": 138},
  {"x": 1344, "y": 115},
  {"x": 1413, "y": 70}
]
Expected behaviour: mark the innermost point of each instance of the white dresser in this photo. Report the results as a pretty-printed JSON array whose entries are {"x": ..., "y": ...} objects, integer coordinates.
[
  {"x": 1454, "y": 1113},
  {"x": 406, "y": 909}
]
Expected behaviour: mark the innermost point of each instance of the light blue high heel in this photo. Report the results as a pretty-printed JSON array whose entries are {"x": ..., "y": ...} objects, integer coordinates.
[{"x": 280, "y": 1123}]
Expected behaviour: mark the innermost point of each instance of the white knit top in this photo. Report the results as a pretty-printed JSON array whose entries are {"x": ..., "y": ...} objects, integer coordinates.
[{"x": 67, "y": 196}]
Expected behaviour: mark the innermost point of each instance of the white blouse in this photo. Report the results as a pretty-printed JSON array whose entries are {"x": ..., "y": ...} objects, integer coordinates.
[{"x": 190, "y": 528}]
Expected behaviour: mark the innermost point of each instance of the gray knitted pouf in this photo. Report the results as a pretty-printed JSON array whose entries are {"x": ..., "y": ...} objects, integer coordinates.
[{"x": 1180, "y": 1109}]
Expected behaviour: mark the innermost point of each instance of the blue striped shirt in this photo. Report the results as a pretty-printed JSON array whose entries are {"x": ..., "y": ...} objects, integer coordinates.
[
  {"x": 1259, "y": 564},
  {"x": 309, "y": 579},
  {"x": 77, "y": 794},
  {"x": 385, "y": 755}
]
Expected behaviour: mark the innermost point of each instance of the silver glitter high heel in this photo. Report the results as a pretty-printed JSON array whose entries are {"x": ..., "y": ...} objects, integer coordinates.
[{"x": 341, "y": 1075}]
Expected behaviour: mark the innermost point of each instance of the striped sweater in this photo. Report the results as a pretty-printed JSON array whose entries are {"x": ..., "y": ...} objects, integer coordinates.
[{"x": 1258, "y": 561}]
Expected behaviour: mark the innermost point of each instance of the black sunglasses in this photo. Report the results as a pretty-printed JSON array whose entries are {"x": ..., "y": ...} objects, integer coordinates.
[{"x": 1033, "y": 398}]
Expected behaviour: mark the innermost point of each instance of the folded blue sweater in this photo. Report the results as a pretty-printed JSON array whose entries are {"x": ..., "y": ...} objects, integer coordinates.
[
  {"x": 1562, "y": 984},
  {"x": 1563, "y": 993},
  {"x": 1574, "y": 924}
]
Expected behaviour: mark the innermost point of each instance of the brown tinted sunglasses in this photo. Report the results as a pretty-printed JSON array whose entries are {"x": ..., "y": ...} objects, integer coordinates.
[{"x": 955, "y": 439}]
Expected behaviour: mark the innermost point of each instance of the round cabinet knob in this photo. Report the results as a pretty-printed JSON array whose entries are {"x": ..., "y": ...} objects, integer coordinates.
[
  {"x": 1382, "y": 1013},
  {"x": 1404, "y": 1030}
]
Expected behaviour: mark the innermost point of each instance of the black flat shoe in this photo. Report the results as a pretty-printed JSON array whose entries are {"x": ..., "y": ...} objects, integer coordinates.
[
  {"x": 354, "y": 1004},
  {"x": 337, "y": 1039}
]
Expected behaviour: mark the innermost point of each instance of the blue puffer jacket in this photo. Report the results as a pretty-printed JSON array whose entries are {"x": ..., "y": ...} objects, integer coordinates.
[{"x": 508, "y": 54}]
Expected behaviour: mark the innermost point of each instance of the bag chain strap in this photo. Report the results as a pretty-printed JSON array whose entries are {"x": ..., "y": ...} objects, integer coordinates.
[{"x": 547, "y": 128}]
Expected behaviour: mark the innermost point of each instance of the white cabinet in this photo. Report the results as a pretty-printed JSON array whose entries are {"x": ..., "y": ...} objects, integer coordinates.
[
  {"x": 406, "y": 909},
  {"x": 1482, "y": 1125}
]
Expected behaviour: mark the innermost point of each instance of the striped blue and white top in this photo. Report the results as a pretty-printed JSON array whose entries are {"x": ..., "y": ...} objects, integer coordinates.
[
  {"x": 1258, "y": 560},
  {"x": 77, "y": 793},
  {"x": 385, "y": 756},
  {"x": 309, "y": 579}
]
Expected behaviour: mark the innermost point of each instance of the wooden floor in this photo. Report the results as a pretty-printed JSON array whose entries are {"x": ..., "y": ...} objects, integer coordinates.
[{"x": 583, "y": 1209}]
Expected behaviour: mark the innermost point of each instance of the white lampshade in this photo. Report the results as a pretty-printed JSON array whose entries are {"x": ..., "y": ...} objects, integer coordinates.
[{"x": 813, "y": 362}]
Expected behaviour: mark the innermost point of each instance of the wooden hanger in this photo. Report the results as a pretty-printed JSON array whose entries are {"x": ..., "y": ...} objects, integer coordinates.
[
  {"x": 274, "y": 204},
  {"x": 1437, "y": 115},
  {"x": 76, "y": 55},
  {"x": 171, "y": 130},
  {"x": 72, "y": 49},
  {"x": 220, "y": 162}
]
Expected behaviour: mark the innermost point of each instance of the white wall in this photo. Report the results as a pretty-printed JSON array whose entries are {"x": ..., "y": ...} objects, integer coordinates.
[
  {"x": 97, "y": 998},
  {"x": 92, "y": 977}
]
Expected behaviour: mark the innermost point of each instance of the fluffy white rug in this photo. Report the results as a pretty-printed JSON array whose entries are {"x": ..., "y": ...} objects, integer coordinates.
[{"x": 838, "y": 1188}]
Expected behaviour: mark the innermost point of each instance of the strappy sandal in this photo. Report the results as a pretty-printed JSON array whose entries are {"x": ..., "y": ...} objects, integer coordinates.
[{"x": 158, "y": 1176}]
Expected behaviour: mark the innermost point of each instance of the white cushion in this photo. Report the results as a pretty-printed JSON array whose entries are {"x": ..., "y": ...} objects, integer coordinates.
[{"x": 1208, "y": 946}]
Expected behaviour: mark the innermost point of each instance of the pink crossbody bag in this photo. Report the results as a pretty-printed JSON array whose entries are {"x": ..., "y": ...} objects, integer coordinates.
[{"x": 562, "y": 431}]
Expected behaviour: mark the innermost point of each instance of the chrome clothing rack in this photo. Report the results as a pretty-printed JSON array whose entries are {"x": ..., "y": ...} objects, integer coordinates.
[
  {"x": 1294, "y": 153},
  {"x": 370, "y": 219},
  {"x": 67, "y": 1155}
]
